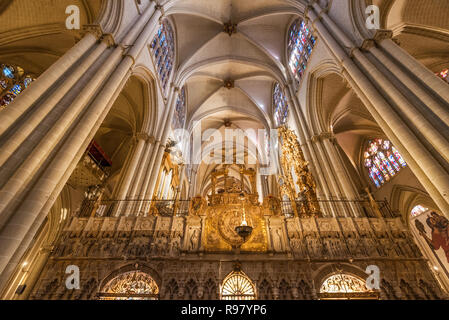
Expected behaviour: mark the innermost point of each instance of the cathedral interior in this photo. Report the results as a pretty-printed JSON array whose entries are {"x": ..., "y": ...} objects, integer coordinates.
[{"x": 224, "y": 149}]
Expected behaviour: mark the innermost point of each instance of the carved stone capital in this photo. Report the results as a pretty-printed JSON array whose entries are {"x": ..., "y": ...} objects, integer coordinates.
[
  {"x": 315, "y": 138},
  {"x": 382, "y": 34},
  {"x": 108, "y": 38},
  {"x": 160, "y": 8},
  {"x": 95, "y": 29},
  {"x": 367, "y": 44},
  {"x": 327, "y": 135},
  {"x": 143, "y": 136}
]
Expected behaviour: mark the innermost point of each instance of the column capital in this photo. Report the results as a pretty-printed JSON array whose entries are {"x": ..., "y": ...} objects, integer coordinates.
[
  {"x": 142, "y": 136},
  {"x": 327, "y": 135},
  {"x": 152, "y": 139},
  {"x": 315, "y": 138},
  {"x": 108, "y": 38},
  {"x": 367, "y": 44},
  {"x": 382, "y": 34},
  {"x": 95, "y": 29},
  {"x": 162, "y": 10}
]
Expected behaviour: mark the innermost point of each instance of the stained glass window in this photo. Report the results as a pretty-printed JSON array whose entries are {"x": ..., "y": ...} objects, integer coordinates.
[
  {"x": 180, "y": 110},
  {"x": 417, "y": 210},
  {"x": 300, "y": 46},
  {"x": 237, "y": 286},
  {"x": 163, "y": 48},
  {"x": 134, "y": 285},
  {"x": 444, "y": 74},
  {"x": 280, "y": 105},
  {"x": 382, "y": 160},
  {"x": 13, "y": 80},
  {"x": 343, "y": 283}
]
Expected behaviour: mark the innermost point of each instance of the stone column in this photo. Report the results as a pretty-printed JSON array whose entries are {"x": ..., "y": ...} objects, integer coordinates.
[
  {"x": 410, "y": 146},
  {"x": 129, "y": 174},
  {"x": 23, "y": 129},
  {"x": 418, "y": 69},
  {"x": 139, "y": 177},
  {"x": 165, "y": 130},
  {"x": 131, "y": 170},
  {"x": 424, "y": 95},
  {"x": 412, "y": 114},
  {"x": 341, "y": 174},
  {"x": 29, "y": 208},
  {"x": 306, "y": 145},
  {"x": 325, "y": 160},
  {"x": 24, "y": 101}
]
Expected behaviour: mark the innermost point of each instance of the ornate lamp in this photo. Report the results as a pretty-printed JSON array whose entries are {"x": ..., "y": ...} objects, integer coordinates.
[{"x": 243, "y": 230}]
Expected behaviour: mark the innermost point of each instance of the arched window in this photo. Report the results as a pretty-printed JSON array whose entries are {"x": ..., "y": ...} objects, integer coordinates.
[
  {"x": 13, "y": 80},
  {"x": 237, "y": 286},
  {"x": 382, "y": 160},
  {"x": 133, "y": 285},
  {"x": 417, "y": 210},
  {"x": 300, "y": 45},
  {"x": 180, "y": 110},
  {"x": 163, "y": 48},
  {"x": 444, "y": 74},
  {"x": 280, "y": 105},
  {"x": 345, "y": 286}
]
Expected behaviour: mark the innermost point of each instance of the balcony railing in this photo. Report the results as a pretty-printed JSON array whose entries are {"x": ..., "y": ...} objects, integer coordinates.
[
  {"x": 343, "y": 208},
  {"x": 115, "y": 208},
  {"x": 328, "y": 208}
]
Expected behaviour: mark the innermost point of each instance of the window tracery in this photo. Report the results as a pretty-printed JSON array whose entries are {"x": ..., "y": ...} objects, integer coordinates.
[
  {"x": 343, "y": 283},
  {"x": 280, "y": 105},
  {"x": 163, "y": 49},
  {"x": 180, "y": 110},
  {"x": 417, "y": 210},
  {"x": 382, "y": 160},
  {"x": 237, "y": 286},
  {"x": 13, "y": 80},
  {"x": 134, "y": 285},
  {"x": 444, "y": 74},
  {"x": 300, "y": 46}
]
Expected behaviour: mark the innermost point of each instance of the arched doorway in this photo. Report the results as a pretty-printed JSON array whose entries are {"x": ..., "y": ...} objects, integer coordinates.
[
  {"x": 237, "y": 286},
  {"x": 345, "y": 286},
  {"x": 132, "y": 285}
]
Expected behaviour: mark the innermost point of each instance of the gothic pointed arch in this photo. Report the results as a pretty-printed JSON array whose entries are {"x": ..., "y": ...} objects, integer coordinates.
[
  {"x": 300, "y": 44},
  {"x": 163, "y": 52},
  {"x": 238, "y": 286}
]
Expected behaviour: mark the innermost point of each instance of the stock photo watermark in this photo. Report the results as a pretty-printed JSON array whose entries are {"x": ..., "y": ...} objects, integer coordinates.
[{"x": 73, "y": 21}]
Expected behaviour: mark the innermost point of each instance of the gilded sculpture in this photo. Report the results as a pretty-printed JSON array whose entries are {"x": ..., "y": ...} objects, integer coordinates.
[{"x": 296, "y": 175}]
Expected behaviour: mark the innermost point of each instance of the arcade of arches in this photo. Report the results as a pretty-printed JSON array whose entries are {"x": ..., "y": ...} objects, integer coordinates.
[{"x": 343, "y": 162}]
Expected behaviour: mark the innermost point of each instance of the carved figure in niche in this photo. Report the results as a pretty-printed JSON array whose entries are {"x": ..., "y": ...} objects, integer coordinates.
[
  {"x": 277, "y": 240},
  {"x": 193, "y": 241},
  {"x": 197, "y": 205},
  {"x": 175, "y": 245},
  {"x": 272, "y": 206}
]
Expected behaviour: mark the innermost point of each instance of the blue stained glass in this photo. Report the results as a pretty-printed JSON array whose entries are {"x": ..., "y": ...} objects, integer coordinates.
[
  {"x": 16, "y": 89},
  {"x": 280, "y": 105},
  {"x": 393, "y": 162},
  {"x": 386, "y": 164},
  {"x": 13, "y": 80},
  {"x": 300, "y": 46},
  {"x": 381, "y": 159},
  {"x": 399, "y": 157},
  {"x": 163, "y": 51},
  {"x": 8, "y": 72}
]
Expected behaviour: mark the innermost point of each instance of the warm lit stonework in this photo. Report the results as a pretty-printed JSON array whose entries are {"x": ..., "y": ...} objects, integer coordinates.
[{"x": 219, "y": 149}]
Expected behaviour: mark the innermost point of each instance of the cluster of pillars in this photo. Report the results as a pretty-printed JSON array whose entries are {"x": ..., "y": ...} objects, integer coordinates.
[
  {"x": 410, "y": 104},
  {"x": 45, "y": 131}
]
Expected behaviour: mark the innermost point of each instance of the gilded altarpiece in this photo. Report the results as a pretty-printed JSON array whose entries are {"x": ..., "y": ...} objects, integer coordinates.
[
  {"x": 229, "y": 207},
  {"x": 224, "y": 215}
]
